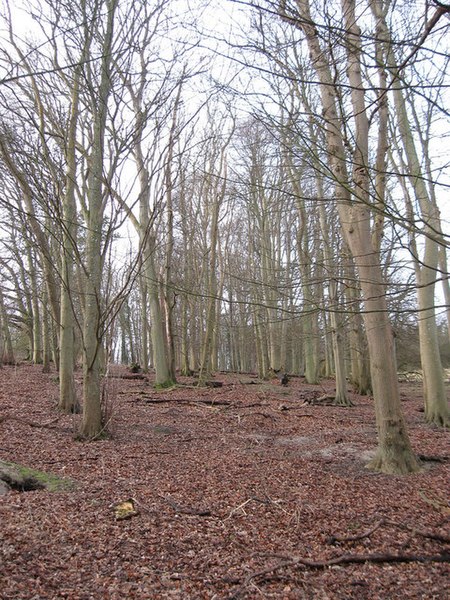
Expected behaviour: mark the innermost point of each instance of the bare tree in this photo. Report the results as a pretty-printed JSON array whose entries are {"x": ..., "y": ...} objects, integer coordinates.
[{"x": 353, "y": 201}]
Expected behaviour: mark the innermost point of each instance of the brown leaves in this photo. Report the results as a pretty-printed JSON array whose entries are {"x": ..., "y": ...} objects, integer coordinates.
[{"x": 220, "y": 493}]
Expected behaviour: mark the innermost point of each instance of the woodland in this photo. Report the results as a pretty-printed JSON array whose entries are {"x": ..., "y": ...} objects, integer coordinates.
[
  {"x": 224, "y": 298},
  {"x": 244, "y": 491}
]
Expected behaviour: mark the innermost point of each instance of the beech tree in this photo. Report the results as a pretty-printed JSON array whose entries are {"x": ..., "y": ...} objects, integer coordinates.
[
  {"x": 426, "y": 262},
  {"x": 264, "y": 241},
  {"x": 352, "y": 195}
]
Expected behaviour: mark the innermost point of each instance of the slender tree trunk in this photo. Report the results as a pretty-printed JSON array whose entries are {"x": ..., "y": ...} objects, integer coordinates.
[
  {"x": 184, "y": 344},
  {"x": 158, "y": 332},
  {"x": 46, "y": 341},
  {"x": 445, "y": 284},
  {"x": 68, "y": 402},
  {"x": 7, "y": 357},
  {"x": 337, "y": 334},
  {"x": 436, "y": 406},
  {"x": 214, "y": 194},
  {"x": 169, "y": 295},
  {"x": 144, "y": 321},
  {"x": 359, "y": 354},
  {"x": 92, "y": 424},
  {"x": 207, "y": 344},
  {"x": 394, "y": 454},
  {"x": 37, "y": 334}
]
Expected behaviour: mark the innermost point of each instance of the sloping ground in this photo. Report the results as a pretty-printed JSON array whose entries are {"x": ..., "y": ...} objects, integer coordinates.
[{"x": 240, "y": 491}]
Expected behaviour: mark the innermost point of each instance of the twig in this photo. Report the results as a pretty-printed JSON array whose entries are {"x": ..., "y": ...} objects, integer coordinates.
[
  {"x": 240, "y": 507},
  {"x": 265, "y": 415},
  {"x": 130, "y": 376}
]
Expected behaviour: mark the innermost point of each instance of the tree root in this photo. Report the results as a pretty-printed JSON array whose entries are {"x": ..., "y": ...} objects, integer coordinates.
[
  {"x": 439, "y": 503},
  {"x": 354, "y": 538}
]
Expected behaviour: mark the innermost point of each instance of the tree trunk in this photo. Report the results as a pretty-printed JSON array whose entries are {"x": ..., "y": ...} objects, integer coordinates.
[
  {"x": 394, "y": 454},
  {"x": 92, "y": 425},
  {"x": 158, "y": 333},
  {"x": 436, "y": 406},
  {"x": 46, "y": 342},
  {"x": 68, "y": 402},
  {"x": 143, "y": 288},
  {"x": 7, "y": 357}
]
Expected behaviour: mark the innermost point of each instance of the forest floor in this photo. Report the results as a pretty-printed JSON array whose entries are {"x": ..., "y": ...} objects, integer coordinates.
[{"x": 240, "y": 492}]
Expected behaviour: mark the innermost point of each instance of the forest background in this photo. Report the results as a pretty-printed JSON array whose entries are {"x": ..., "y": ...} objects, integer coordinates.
[{"x": 238, "y": 186}]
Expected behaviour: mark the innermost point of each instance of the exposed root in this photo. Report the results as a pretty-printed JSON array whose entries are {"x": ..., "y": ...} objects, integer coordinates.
[{"x": 394, "y": 463}]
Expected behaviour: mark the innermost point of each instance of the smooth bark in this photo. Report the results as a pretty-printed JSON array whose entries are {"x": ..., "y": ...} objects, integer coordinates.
[{"x": 394, "y": 453}]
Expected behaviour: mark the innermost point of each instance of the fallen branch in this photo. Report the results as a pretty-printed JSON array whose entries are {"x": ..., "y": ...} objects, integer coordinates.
[
  {"x": 345, "y": 559},
  {"x": 186, "y": 510},
  {"x": 354, "y": 538},
  {"x": 426, "y": 534},
  {"x": 265, "y": 415},
  {"x": 48, "y": 425},
  {"x": 129, "y": 376},
  {"x": 151, "y": 400},
  {"x": 284, "y": 408},
  {"x": 433, "y": 458},
  {"x": 325, "y": 400}
]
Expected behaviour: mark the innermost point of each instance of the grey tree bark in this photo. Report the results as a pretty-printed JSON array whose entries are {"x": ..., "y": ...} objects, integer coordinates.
[
  {"x": 92, "y": 425},
  {"x": 394, "y": 453}
]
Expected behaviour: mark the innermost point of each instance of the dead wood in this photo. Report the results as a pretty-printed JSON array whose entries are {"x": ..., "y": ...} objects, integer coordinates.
[
  {"x": 354, "y": 538},
  {"x": 265, "y": 415},
  {"x": 253, "y": 405},
  {"x": 128, "y": 376},
  {"x": 214, "y": 384},
  {"x": 48, "y": 425},
  {"x": 209, "y": 402},
  {"x": 426, "y": 534},
  {"x": 187, "y": 510},
  {"x": 345, "y": 559},
  {"x": 24, "y": 479},
  {"x": 385, "y": 522},
  {"x": 326, "y": 399},
  {"x": 284, "y": 408}
]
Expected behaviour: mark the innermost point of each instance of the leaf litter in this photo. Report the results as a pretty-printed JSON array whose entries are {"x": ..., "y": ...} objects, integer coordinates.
[{"x": 239, "y": 491}]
